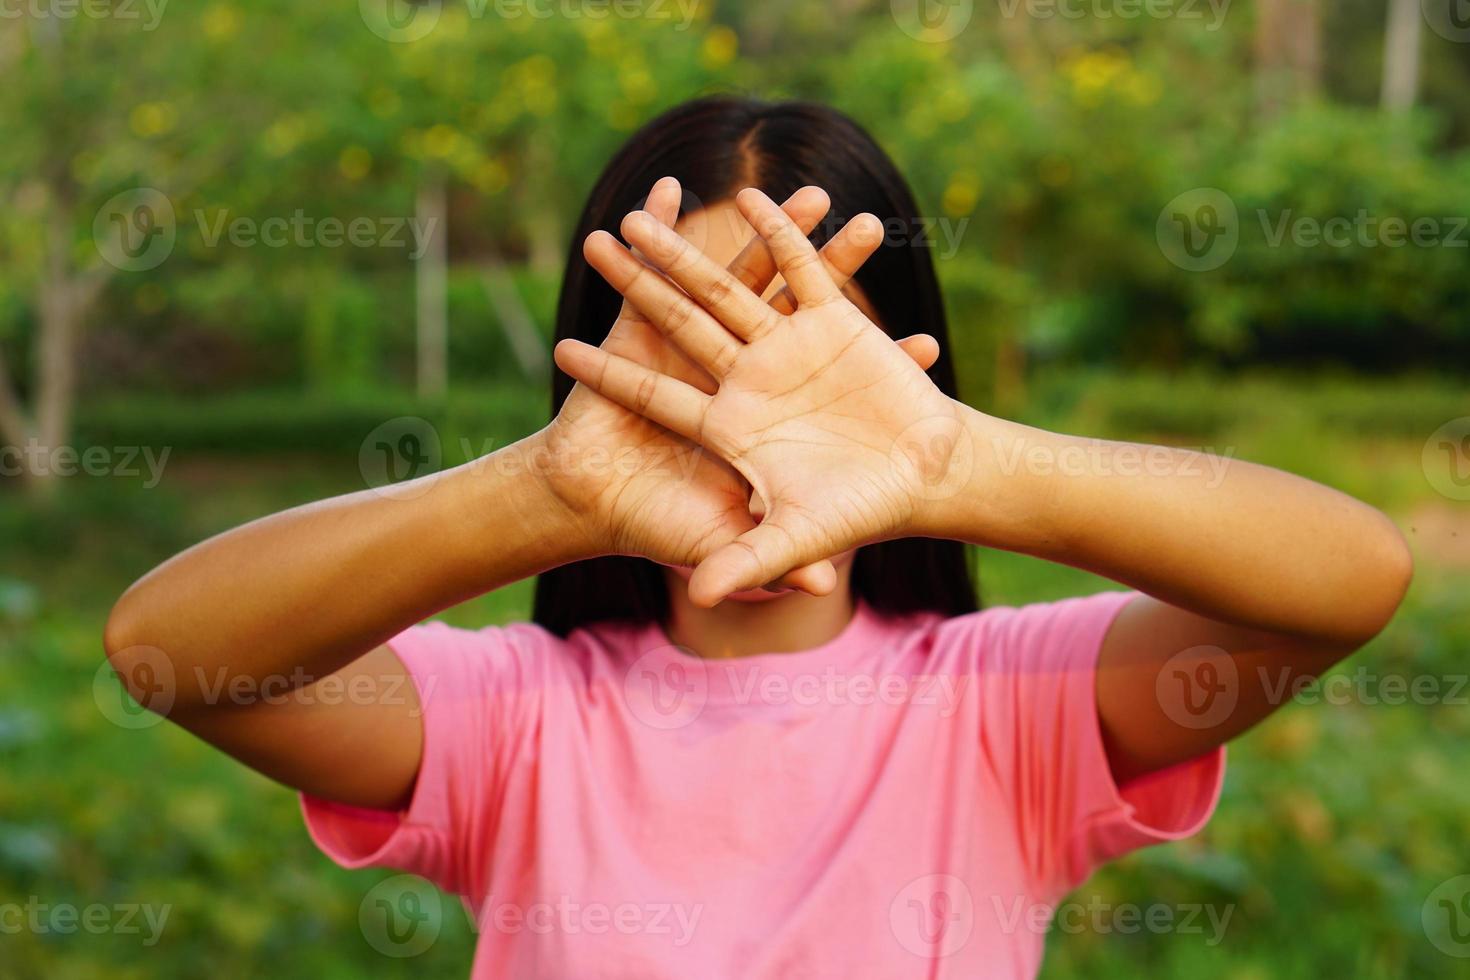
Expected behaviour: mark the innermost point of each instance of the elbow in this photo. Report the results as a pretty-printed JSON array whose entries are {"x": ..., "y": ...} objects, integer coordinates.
[
  {"x": 1398, "y": 572},
  {"x": 1389, "y": 568},
  {"x": 145, "y": 671},
  {"x": 125, "y": 627},
  {"x": 117, "y": 634}
]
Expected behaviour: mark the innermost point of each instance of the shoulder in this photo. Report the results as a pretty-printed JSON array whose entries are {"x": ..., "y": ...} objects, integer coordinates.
[{"x": 1043, "y": 633}]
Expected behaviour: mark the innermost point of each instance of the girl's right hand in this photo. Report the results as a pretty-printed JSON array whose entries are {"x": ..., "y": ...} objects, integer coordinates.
[{"x": 642, "y": 490}]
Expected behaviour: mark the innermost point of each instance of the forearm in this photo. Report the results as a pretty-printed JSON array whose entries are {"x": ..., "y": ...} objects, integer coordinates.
[
  {"x": 303, "y": 592},
  {"x": 1223, "y": 538}
]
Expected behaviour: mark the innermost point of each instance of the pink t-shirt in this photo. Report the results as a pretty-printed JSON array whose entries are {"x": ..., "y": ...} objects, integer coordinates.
[{"x": 908, "y": 800}]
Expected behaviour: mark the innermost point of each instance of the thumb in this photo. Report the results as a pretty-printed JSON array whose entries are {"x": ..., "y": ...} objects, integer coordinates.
[
  {"x": 818, "y": 578},
  {"x": 765, "y": 553}
]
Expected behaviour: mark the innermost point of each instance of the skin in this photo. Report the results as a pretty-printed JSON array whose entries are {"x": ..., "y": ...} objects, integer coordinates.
[
  {"x": 306, "y": 598},
  {"x": 814, "y": 422},
  {"x": 848, "y": 442}
]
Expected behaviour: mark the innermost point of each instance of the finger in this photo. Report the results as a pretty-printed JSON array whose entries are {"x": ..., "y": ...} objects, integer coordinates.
[
  {"x": 760, "y": 555},
  {"x": 842, "y": 256},
  {"x": 795, "y": 257},
  {"x": 818, "y": 578},
  {"x": 754, "y": 266},
  {"x": 678, "y": 317},
  {"x": 663, "y": 201},
  {"x": 659, "y": 398},
  {"x": 922, "y": 349},
  {"x": 740, "y": 311}
]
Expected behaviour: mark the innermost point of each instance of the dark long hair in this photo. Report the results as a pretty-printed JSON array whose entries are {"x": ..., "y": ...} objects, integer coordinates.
[{"x": 715, "y": 147}]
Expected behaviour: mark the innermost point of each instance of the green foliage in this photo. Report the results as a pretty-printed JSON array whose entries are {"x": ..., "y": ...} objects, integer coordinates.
[
  {"x": 270, "y": 423},
  {"x": 1043, "y": 154}
]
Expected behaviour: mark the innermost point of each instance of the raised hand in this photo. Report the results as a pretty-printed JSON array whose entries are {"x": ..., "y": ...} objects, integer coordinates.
[
  {"x": 839, "y": 431},
  {"x": 661, "y": 495}
]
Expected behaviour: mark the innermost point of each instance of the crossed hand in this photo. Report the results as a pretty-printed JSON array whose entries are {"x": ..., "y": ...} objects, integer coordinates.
[{"x": 802, "y": 399}]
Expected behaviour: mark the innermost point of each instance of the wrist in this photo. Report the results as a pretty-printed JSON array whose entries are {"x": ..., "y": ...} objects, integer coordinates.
[
  {"x": 516, "y": 484},
  {"x": 989, "y": 493}
]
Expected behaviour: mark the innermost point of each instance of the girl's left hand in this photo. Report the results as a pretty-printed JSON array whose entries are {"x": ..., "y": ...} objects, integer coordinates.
[{"x": 843, "y": 436}]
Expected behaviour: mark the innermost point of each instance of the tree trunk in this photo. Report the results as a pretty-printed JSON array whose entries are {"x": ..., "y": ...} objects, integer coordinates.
[
  {"x": 431, "y": 289},
  {"x": 1288, "y": 51},
  {"x": 1401, "y": 55},
  {"x": 56, "y": 369},
  {"x": 516, "y": 322},
  {"x": 63, "y": 297}
]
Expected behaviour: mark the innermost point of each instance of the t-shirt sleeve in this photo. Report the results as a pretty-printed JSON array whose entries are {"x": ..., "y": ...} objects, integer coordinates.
[
  {"x": 1041, "y": 733},
  {"x": 478, "y": 693}
]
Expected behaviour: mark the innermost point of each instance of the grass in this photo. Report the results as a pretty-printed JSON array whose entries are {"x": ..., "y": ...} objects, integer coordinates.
[{"x": 1338, "y": 819}]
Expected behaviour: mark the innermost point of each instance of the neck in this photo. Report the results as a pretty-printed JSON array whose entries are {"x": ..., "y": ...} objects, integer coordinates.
[{"x": 786, "y": 624}]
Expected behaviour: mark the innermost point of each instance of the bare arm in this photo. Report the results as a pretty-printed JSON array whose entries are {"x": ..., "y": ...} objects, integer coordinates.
[
  {"x": 1280, "y": 575},
  {"x": 847, "y": 443},
  {"x": 229, "y": 638},
  {"x": 248, "y": 630}
]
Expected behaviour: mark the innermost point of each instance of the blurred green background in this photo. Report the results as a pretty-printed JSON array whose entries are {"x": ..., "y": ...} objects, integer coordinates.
[{"x": 1121, "y": 198}]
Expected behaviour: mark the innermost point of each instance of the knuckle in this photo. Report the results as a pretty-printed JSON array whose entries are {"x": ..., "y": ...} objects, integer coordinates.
[
  {"x": 681, "y": 311},
  {"x": 719, "y": 290},
  {"x": 724, "y": 359},
  {"x": 643, "y": 393},
  {"x": 674, "y": 252},
  {"x": 772, "y": 319},
  {"x": 804, "y": 259}
]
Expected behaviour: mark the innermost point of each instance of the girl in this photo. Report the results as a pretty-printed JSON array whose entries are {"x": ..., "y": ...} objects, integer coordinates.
[{"x": 810, "y": 756}]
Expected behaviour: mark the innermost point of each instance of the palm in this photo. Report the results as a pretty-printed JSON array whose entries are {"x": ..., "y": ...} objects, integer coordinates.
[
  {"x": 816, "y": 415},
  {"x": 828, "y": 419},
  {"x": 658, "y": 495}
]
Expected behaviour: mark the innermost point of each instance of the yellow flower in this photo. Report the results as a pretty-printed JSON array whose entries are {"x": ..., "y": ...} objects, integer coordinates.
[
  {"x": 719, "y": 48},
  {"x": 221, "y": 22},
  {"x": 491, "y": 176},
  {"x": 440, "y": 140},
  {"x": 638, "y": 86},
  {"x": 355, "y": 162},
  {"x": 152, "y": 119},
  {"x": 961, "y": 194},
  {"x": 1094, "y": 72},
  {"x": 284, "y": 135}
]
